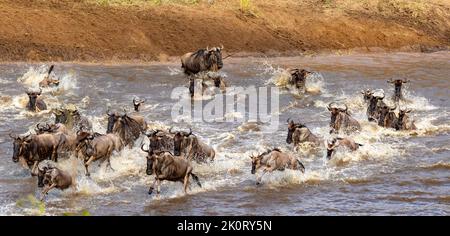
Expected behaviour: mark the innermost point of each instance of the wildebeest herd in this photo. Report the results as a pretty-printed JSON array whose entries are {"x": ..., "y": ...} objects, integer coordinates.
[{"x": 170, "y": 152}]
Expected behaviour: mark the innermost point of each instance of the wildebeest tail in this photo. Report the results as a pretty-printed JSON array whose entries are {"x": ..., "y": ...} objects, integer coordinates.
[
  {"x": 195, "y": 177},
  {"x": 302, "y": 167}
]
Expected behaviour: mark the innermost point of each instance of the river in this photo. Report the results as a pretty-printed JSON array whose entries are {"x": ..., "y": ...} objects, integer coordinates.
[{"x": 393, "y": 173}]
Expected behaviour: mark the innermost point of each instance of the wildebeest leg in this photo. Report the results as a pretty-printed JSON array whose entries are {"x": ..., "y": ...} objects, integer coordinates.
[
  {"x": 109, "y": 163},
  {"x": 186, "y": 179},
  {"x": 54, "y": 154},
  {"x": 150, "y": 190},
  {"x": 86, "y": 165},
  {"x": 33, "y": 169},
  {"x": 158, "y": 189},
  {"x": 45, "y": 191},
  {"x": 267, "y": 169}
]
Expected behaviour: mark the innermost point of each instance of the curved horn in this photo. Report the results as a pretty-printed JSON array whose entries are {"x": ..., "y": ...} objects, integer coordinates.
[
  {"x": 134, "y": 101},
  {"x": 390, "y": 81},
  {"x": 40, "y": 91},
  {"x": 395, "y": 107},
  {"x": 221, "y": 47},
  {"x": 207, "y": 48},
  {"x": 13, "y": 136},
  {"x": 26, "y": 137},
  {"x": 37, "y": 126},
  {"x": 142, "y": 148},
  {"x": 108, "y": 113},
  {"x": 289, "y": 119},
  {"x": 346, "y": 108},
  {"x": 190, "y": 132},
  {"x": 405, "y": 80},
  {"x": 329, "y": 105},
  {"x": 149, "y": 134}
]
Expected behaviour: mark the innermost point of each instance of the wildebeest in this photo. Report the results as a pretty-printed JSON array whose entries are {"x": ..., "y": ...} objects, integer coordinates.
[
  {"x": 36, "y": 148},
  {"x": 387, "y": 116},
  {"x": 166, "y": 166},
  {"x": 97, "y": 146},
  {"x": 299, "y": 133},
  {"x": 191, "y": 146},
  {"x": 202, "y": 60},
  {"x": 373, "y": 98},
  {"x": 341, "y": 120},
  {"x": 50, "y": 176},
  {"x": 69, "y": 141},
  {"x": 48, "y": 79},
  {"x": 274, "y": 159},
  {"x": 127, "y": 127},
  {"x": 404, "y": 122},
  {"x": 71, "y": 117},
  {"x": 35, "y": 103},
  {"x": 137, "y": 103},
  {"x": 398, "y": 83},
  {"x": 298, "y": 78},
  {"x": 160, "y": 141},
  {"x": 336, "y": 142}
]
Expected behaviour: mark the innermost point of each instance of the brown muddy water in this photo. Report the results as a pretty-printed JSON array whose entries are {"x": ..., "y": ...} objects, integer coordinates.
[{"x": 394, "y": 173}]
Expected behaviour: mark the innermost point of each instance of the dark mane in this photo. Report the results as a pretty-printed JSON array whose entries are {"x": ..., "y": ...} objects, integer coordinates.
[
  {"x": 130, "y": 129},
  {"x": 276, "y": 149},
  {"x": 199, "y": 53}
]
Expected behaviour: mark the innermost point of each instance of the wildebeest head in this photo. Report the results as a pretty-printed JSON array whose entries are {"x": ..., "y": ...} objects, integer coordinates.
[
  {"x": 154, "y": 140},
  {"x": 32, "y": 96},
  {"x": 137, "y": 103},
  {"x": 304, "y": 73},
  {"x": 384, "y": 110},
  {"x": 47, "y": 128},
  {"x": 335, "y": 110},
  {"x": 43, "y": 167},
  {"x": 84, "y": 140},
  {"x": 397, "y": 87},
  {"x": 331, "y": 145},
  {"x": 367, "y": 95},
  {"x": 113, "y": 117},
  {"x": 256, "y": 159},
  {"x": 150, "y": 159},
  {"x": 217, "y": 81},
  {"x": 214, "y": 58},
  {"x": 19, "y": 146},
  {"x": 178, "y": 138},
  {"x": 256, "y": 162},
  {"x": 292, "y": 126},
  {"x": 60, "y": 115},
  {"x": 40, "y": 129},
  {"x": 402, "y": 114}
]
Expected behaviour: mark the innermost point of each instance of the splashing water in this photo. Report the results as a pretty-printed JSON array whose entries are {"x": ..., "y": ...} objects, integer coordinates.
[{"x": 389, "y": 160}]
